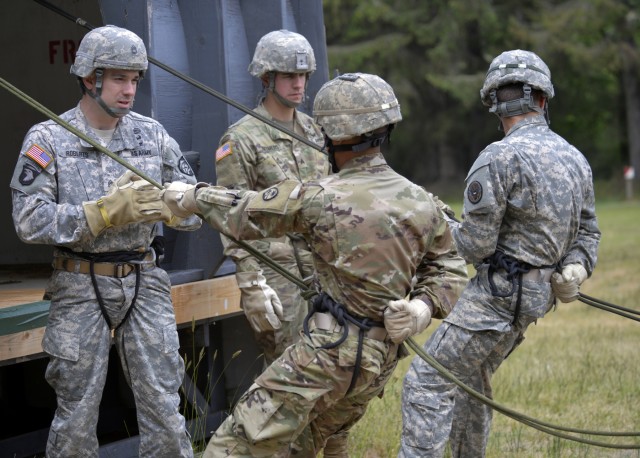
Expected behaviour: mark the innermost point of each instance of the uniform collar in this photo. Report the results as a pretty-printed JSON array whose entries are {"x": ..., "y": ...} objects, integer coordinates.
[
  {"x": 536, "y": 120},
  {"x": 363, "y": 162},
  {"x": 120, "y": 141},
  {"x": 277, "y": 133}
]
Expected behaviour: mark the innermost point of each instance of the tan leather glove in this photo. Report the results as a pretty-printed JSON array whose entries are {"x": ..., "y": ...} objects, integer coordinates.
[
  {"x": 181, "y": 198},
  {"x": 403, "y": 319},
  {"x": 260, "y": 302},
  {"x": 566, "y": 285},
  {"x": 130, "y": 200}
]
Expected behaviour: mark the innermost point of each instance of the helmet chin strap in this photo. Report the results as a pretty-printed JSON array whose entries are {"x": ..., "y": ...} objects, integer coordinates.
[
  {"x": 279, "y": 98},
  {"x": 370, "y": 141},
  {"x": 111, "y": 111}
]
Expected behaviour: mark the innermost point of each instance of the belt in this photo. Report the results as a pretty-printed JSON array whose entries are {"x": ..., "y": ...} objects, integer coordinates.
[
  {"x": 539, "y": 275},
  {"x": 107, "y": 269},
  {"x": 327, "y": 322}
]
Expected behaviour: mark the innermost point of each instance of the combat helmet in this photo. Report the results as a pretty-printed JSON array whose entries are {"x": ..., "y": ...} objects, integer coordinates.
[
  {"x": 282, "y": 51},
  {"x": 516, "y": 66},
  {"x": 355, "y": 105},
  {"x": 108, "y": 47}
]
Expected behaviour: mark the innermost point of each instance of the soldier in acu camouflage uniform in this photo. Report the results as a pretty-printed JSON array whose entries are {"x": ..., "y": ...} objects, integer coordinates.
[
  {"x": 373, "y": 235},
  {"x": 253, "y": 155},
  {"x": 529, "y": 209},
  {"x": 68, "y": 195}
]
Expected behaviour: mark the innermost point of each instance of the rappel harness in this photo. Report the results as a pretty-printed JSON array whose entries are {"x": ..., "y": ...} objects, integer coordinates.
[
  {"x": 117, "y": 264},
  {"x": 323, "y": 303},
  {"x": 515, "y": 270}
]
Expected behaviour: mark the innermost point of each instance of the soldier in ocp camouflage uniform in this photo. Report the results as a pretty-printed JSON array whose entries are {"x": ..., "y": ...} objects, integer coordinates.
[
  {"x": 529, "y": 209},
  {"x": 69, "y": 195},
  {"x": 373, "y": 234},
  {"x": 253, "y": 155}
]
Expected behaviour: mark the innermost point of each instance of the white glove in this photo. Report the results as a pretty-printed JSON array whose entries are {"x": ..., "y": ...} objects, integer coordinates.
[
  {"x": 180, "y": 197},
  {"x": 260, "y": 302},
  {"x": 566, "y": 286},
  {"x": 403, "y": 318}
]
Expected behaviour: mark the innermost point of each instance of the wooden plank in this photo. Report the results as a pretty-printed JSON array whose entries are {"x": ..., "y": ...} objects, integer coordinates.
[
  {"x": 200, "y": 300},
  {"x": 206, "y": 299},
  {"x": 21, "y": 344},
  {"x": 12, "y": 297}
]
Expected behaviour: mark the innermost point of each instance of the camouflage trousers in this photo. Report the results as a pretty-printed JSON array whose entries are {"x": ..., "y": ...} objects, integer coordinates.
[
  {"x": 435, "y": 410},
  {"x": 295, "y": 308},
  {"x": 301, "y": 399},
  {"x": 78, "y": 340}
]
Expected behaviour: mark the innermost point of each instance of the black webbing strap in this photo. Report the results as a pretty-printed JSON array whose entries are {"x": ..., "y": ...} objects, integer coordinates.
[
  {"x": 323, "y": 303},
  {"x": 114, "y": 257},
  {"x": 514, "y": 269}
]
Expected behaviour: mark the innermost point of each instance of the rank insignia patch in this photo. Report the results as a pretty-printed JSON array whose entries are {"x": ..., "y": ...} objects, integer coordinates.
[
  {"x": 224, "y": 151},
  {"x": 474, "y": 192},
  {"x": 42, "y": 158}
]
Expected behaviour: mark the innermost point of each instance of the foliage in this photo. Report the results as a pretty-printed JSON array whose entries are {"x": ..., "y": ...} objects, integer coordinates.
[{"x": 435, "y": 55}]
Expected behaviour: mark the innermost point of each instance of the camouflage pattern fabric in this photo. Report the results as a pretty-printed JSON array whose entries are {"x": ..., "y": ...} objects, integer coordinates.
[
  {"x": 282, "y": 51},
  {"x": 55, "y": 173},
  {"x": 255, "y": 156},
  {"x": 530, "y": 196},
  {"x": 110, "y": 47},
  {"x": 517, "y": 66},
  {"x": 373, "y": 234}
]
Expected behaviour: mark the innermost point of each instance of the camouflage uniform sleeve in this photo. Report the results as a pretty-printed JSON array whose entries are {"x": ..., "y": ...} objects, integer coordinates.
[
  {"x": 37, "y": 216},
  {"x": 484, "y": 206},
  {"x": 254, "y": 215},
  {"x": 584, "y": 249},
  {"x": 236, "y": 169},
  {"x": 442, "y": 274},
  {"x": 176, "y": 168}
]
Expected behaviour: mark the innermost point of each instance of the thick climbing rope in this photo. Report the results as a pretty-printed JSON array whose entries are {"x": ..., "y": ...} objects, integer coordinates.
[
  {"x": 308, "y": 294},
  {"x": 193, "y": 82}
]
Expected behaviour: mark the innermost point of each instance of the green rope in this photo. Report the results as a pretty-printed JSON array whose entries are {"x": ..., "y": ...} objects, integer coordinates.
[
  {"x": 534, "y": 423},
  {"x": 195, "y": 83},
  {"x": 44, "y": 110},
  {"x": 307, "y": 293}
]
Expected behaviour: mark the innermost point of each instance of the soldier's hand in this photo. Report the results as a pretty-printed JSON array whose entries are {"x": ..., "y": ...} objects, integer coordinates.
[
  {"x": 403, "y": 318},
  {"x": 566, "y": 285},
  {"x": 260, "y": 302},
  {"x": 180, "y": 198},
  {"x": 130, "y": 200}
]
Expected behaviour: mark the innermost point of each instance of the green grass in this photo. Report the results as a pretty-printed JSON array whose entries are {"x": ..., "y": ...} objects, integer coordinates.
[{"x": 577, "y": 367}]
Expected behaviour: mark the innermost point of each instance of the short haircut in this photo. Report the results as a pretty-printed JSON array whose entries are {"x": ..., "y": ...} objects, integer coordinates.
[{"x": 514, "y": 92}]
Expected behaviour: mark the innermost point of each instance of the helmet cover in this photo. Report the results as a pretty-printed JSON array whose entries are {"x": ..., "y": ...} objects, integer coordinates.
[
  {"x": 517, "y": 66},
  {"x": 282, "y": 51},
  {"x": 354, "y": 104},
  {"x": 110, "y": 47}
]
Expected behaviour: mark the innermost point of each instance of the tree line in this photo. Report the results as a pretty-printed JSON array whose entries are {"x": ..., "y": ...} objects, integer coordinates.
[{"x": 436, "y": 53}]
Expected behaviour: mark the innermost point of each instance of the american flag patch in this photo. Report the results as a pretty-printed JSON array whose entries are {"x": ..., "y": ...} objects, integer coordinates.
[
  {"x": 39, "y": 155},
  {"x": 223, "y": 151}
]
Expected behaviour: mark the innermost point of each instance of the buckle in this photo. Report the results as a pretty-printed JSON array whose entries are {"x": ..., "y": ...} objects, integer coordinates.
[{"x": 120, "y": 270}]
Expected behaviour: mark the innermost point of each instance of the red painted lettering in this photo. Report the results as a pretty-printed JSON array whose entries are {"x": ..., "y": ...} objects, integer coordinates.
[
  {"x": 69, "y": 48},
  {"x": 53, "y": 50}
]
